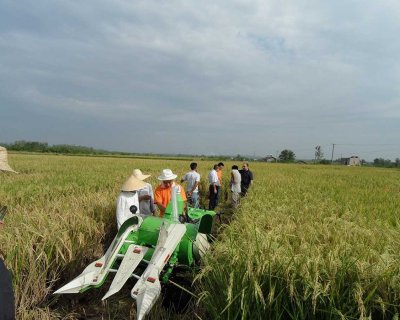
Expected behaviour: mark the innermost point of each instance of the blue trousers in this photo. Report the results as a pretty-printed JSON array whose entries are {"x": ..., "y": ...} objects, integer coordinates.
[{"x": 213, "y": 197}]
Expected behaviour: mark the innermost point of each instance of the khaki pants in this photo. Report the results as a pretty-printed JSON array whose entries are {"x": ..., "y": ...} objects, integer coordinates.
[{"x": 235, "y": 199}]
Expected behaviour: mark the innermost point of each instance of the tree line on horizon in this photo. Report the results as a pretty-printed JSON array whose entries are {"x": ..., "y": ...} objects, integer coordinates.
[
  {"x": 44, "y": 147},
  {"x": 286, "y": 155},
  {"x": 377, "y": 162},
  {"x": 35, "y": 146}
]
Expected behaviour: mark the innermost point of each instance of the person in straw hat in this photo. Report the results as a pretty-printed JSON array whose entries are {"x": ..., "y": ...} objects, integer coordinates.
[
  {"x": 146, "y": 196},
  {"x": 162, "y": 195},
  {"x": 4, "y": 161},
  {"x": 128, "y": 200}
]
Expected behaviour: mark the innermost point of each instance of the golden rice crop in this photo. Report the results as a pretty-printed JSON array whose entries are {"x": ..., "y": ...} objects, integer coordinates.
[
  {"x": 309, "y": 242},
  {"x": 60, "y": 210}
]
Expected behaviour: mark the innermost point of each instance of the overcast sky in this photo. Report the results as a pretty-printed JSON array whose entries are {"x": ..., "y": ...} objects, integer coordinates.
[{"x": 203, "y": 77}]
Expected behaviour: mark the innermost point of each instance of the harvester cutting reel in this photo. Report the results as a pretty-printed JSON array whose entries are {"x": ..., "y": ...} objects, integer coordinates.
[{"x": 158, "y": 243}]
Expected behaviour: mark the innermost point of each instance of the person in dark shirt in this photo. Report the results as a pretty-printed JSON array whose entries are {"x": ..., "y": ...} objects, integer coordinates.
[
  {"x": 247, "y": 178},
  {"x": 7, "y": 309}
]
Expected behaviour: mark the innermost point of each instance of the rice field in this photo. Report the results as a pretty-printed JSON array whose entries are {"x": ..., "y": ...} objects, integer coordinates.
[{"x": 308, "y": 242}]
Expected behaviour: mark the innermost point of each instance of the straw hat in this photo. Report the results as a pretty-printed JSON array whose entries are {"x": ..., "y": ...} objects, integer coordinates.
[
  {"x": 138, "y": 174},
  {"x": 4, "y": 162},
  {"x": 133, "y": 184},
  {"x": 167, "y": 174}
]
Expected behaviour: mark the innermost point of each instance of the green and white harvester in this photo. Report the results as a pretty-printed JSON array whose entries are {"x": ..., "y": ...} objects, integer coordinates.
[{"x": 148, "y": 249}]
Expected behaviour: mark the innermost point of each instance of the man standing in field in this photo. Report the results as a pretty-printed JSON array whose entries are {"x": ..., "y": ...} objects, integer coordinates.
[
  {"x": 213, "y": 188},
  {"x": 247, "y": 178},
  {"x": 235, "y": 185},
  {"x": 192, "y": 188},
  {"x": 163, "y": 193}
]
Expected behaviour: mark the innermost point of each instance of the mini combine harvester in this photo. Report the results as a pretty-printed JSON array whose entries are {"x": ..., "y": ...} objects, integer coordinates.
[{"x": 156, "y": 244}]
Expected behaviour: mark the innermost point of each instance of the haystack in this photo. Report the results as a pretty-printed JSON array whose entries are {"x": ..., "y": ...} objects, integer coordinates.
[{"x": 4, "y": 161}]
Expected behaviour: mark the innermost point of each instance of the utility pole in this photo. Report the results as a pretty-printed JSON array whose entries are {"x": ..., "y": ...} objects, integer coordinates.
[
  {"x": 333, "y": 149},
  {"x": 317, "y": 149}
]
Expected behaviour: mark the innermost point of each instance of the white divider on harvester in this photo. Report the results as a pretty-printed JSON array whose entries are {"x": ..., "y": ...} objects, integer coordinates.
[
  {"x": 95, "y": 272},
  {"x": 147, "y": 294},
  {"x": 131, "y": 260},
  {"x": 147, "y": 289},
  {"x": 175, "y": 214}
]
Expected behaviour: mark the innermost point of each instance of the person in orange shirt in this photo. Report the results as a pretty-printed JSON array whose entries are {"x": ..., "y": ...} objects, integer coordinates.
[{"x": 162, "y": 195}]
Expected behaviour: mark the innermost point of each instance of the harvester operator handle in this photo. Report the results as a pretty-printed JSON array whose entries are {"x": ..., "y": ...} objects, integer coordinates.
[{"x": 133, "y": 209}]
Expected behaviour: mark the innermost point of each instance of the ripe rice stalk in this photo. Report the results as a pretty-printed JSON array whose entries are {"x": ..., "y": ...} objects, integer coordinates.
[{"x": 323, "y": 237}]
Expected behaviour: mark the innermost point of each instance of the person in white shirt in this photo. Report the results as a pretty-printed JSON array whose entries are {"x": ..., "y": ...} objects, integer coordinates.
[
  {"x": 128, "y": 200},
  {"x": 192, "y": 188},
  {"x": 235, "y": 185},
  {"x": 213, "y": 187},
  {"x": 146, "y": 195}
]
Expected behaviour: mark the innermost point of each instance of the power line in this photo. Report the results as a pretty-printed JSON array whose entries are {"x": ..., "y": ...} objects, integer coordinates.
[{"x": 367, "y": 145}]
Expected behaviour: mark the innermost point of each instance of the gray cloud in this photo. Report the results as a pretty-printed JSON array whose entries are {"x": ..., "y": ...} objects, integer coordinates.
[{"x": 228, "y": 77}]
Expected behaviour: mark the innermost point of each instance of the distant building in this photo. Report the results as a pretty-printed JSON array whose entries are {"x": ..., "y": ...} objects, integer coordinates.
[
  {"x": 352, "y": 161},
  {"x": 269, "y": 158}
]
